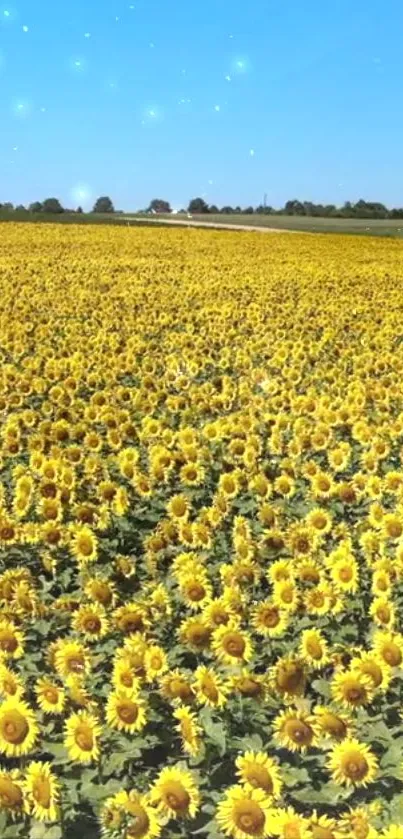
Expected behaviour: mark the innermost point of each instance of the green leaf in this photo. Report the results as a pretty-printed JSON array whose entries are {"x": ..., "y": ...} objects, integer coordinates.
[
  {"x": 396, "y": 809},
  {"x": 54, "y": 832},
  {"x": 37, "y": 831}
]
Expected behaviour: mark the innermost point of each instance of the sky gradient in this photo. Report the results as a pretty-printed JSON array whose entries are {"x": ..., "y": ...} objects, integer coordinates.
[{"x": 225, "y": 99}]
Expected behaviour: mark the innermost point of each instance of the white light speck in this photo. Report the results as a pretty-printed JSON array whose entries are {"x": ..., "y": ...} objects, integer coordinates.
[
  {"x": 228, "y": 78},
  {"x": 217, "y": 108},
  {"x": 6, "y": 13},
  {"x": 210, "y": 182},
  {"x": 183, "y": 72},
  {"x": 151, "y": 45},
  {"x": 25, "y": 29},
  {"x": 230, "y": 36},
  {"x": 43, "y": 110},
  {"x": 87, "y": 34},
  {"x": 77, "y": 63},
  {"x": 15, "y": 148},
  {"x": 116, "y": 19},
  {"x": 252, "y": 152}
]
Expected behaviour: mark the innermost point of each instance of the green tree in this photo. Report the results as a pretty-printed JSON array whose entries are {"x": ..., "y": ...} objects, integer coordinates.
[
  {"x": 158, "y": 205},
  {"x": 52, "y": 205},
  {"x": 35, "y": 207},
  {"x": 103, "y": 205},
  {"x": 197, "y": 205}
]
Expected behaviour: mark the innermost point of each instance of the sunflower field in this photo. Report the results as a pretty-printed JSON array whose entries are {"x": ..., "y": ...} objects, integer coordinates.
[{"x": 201, "y": 535}]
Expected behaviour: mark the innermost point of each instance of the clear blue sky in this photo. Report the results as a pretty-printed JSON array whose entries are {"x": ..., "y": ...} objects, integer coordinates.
[{"x": 229, "y": 99}]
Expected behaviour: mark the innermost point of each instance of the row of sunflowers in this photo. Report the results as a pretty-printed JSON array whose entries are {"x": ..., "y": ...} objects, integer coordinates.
[{"x": 201, "y": 535}]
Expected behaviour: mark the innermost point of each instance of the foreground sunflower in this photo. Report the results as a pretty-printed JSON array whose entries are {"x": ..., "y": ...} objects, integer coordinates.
[
  {"x": 352, "y": 763},
  {"x": 126, "y": 712},
  {"x": 259, "y": 771},
  {"x": 175, "y": 793},
  {"x": 12, "y": 799},
  {"x": 82, "y": 733},
  {"x": 43, "y": 791},
  {"x": 244, "y": 813},
  {"x": 295, "y": 730},
  {"x": 232, "y": 645},
  {"x": 18, "y": 728},
  {"x": 132, "y": 812}
]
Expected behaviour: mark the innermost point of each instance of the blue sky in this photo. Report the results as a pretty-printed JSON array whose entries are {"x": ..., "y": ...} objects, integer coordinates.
[{"x": 222, "y": 98}]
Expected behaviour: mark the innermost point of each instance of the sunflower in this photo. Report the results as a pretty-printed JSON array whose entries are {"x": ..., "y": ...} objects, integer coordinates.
[
  {"x": 356, "y": 824},
  {"x": 195, "y": 633},
  {"x": 175, "y": 793},
  {"x": 322, "y": 827},
  {"x": 126, "y": 712},
  {"x": 50, "y": 697},
  {"x": 394, "y": 831},
  {"x": 178, "y": 508},
  {"x": 244, "y": 813},
  {"x": 217, "y": 613},
  {"x": 84, "y": 544},
  {"x": 189, "y": 730},
  {"x": 91, "y": 621},
  {"x": 269, "y": 620},
  {"x": 139, "y": 816},
  {"x": 352, "y": 763},
  {"x": 352, "y": 688},
  {"x": 175, "y": 687},
  {"x": 210, "y": 688},
  {"x": 12, "y": 799},
  {"x": 231, "y": 645},
  {"x": 344, "y": 574},
  {"x": 295, "y": 730},
  {"x": 319, "y": 521},
  {"x": 314, "y": 648},
  {"x": 249, "y": 684},
  {"x": 82, "y": 732},
  {"x": 373, "y": 666},
  {"x": 11, "y": 640},
  {"x": 286, "y": 595},
  {"x": 383, "y": 612},
  {"x": 288, "y": 677},
  {"x": 258, "y": 770},
  {"x": 71, "y": 658},
  {"x": 18, "y": 728},
  {"x": 155, "y": 662},
  {"x": 196, "y": 590},
  {"x": 389, "y": 646},
  {"x": 103, "y": 591},
  {"x": 42, "y": 790},
  {"x": 229, "y": 484},
  {"x": 287, "y": 824},
  {"x": 10, "y": 683},
  {"x": 331, "y": 723},
  {"x": 131, "y": 618}
]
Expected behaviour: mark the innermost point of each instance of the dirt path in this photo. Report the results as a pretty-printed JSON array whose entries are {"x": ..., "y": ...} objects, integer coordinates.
[{"x": 213, "y": 225}]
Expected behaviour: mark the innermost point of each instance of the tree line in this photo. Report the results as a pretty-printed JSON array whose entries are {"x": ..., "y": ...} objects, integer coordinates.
[{"x": 360, "y": 209}]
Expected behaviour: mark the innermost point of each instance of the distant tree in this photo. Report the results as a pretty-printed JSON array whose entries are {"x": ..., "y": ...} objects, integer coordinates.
[
  {"x": 198, "y": 205},
  {"x": 35, "y": 207},
  {"x": 227, "y": 210},
  {"x": 21, "y": 209},
  {"x": 52, "y": 205},
  {"x": 294, "y": 208},
  {"x": 8, "y": 207},
  {"x": 103, "y": 205},
  {"x": 237, "y": 209},
  {"x": 79, "y": 210},
  {"x": 248, "y": 211},
  {"x": 213, "y": 209},
  {"x": 158, "y": 205}
]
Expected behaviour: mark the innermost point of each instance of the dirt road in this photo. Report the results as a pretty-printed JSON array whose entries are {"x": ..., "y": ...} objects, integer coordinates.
[{"x": 184, "y": 222}]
